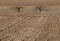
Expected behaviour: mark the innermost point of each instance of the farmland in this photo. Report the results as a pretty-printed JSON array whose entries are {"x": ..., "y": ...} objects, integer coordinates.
[{"x": 30, "y": 24}]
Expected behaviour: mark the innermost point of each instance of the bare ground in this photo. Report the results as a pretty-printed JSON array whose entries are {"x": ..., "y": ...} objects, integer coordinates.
[{"x": 28, "y": 27}]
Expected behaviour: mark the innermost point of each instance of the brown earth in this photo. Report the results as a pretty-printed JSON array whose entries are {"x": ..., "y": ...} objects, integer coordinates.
[
  {"x": 29, "y": 0},
  {"x": 30, "y": 25}
]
